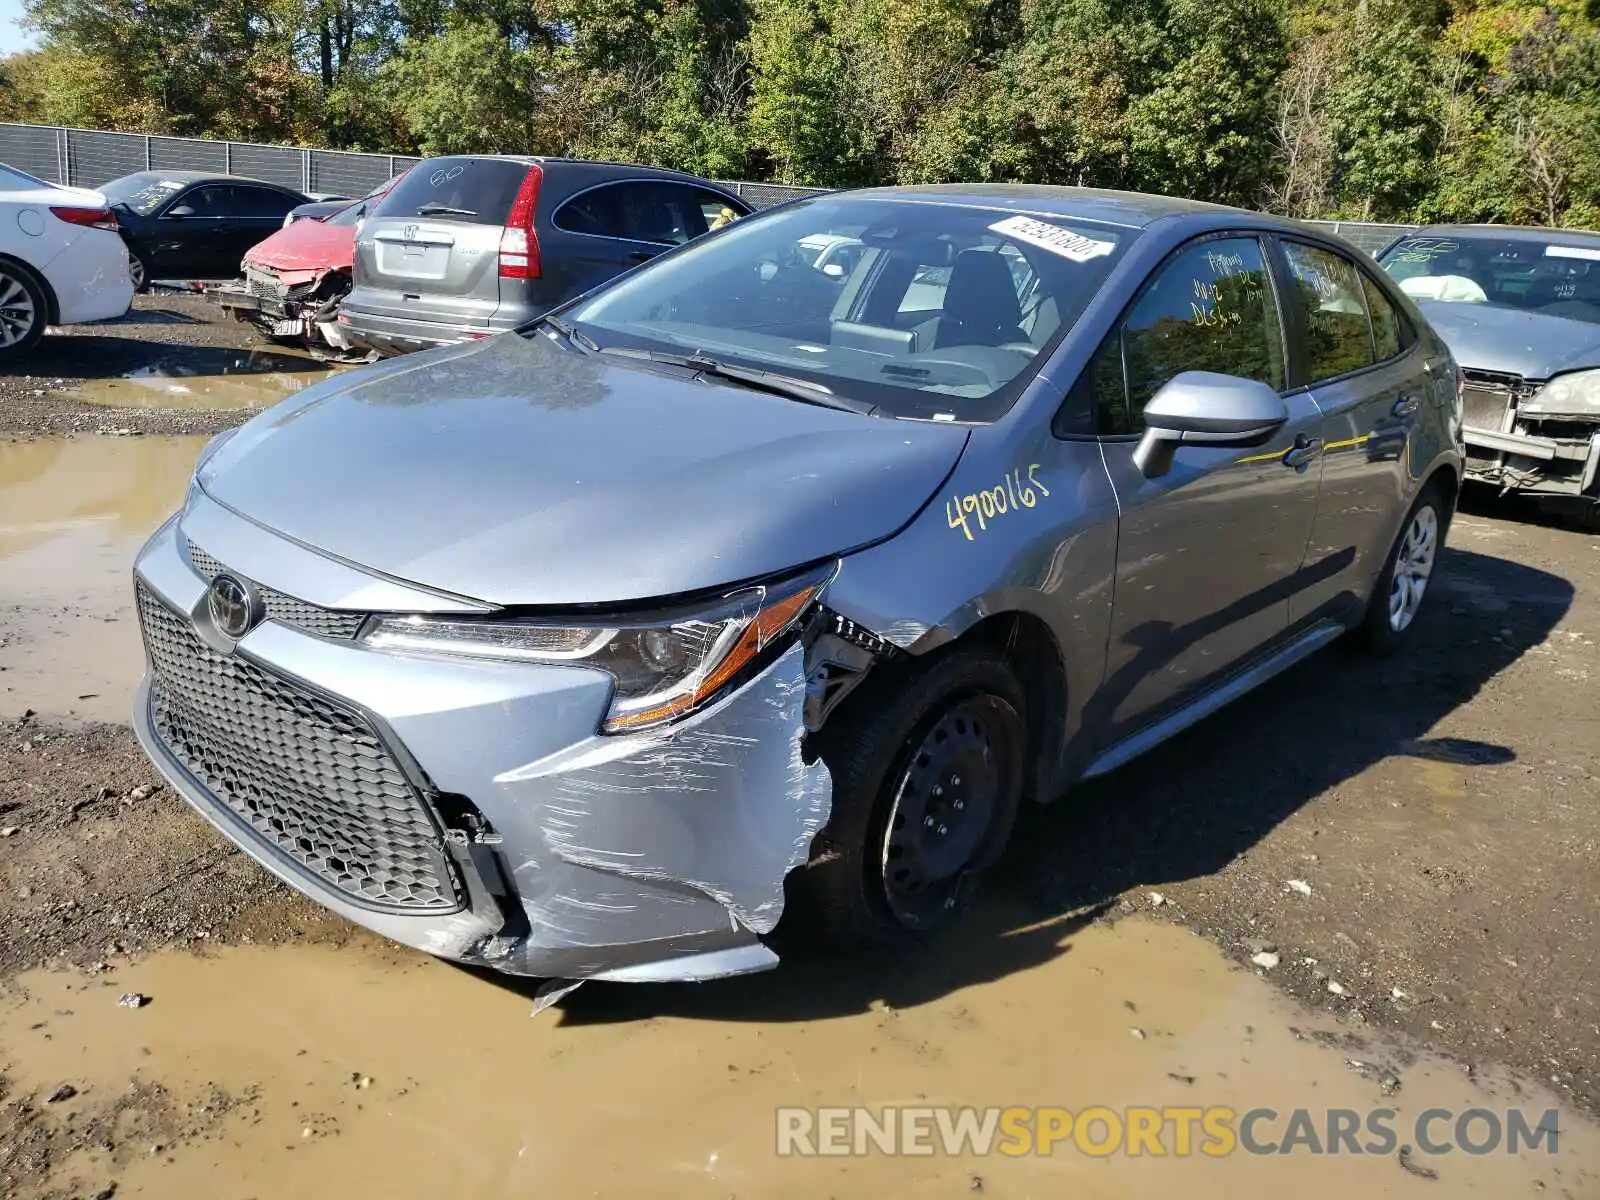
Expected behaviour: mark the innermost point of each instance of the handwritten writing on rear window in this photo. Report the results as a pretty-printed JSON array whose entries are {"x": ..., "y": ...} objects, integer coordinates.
[{"x": 981, "y": 507}]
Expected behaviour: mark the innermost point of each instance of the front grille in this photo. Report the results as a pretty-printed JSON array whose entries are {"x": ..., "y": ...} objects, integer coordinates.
[
  {"x": 311, "y": 778},
  {"x": 302, "y": 614},
  {"x": 262, "y": 285}
]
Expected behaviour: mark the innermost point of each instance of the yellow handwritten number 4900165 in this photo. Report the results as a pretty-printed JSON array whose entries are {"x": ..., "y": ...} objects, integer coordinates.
[{"x": 986, "y": 505}]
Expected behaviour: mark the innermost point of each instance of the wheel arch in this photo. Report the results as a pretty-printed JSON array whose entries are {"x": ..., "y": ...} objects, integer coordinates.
[
  {"x": 1025, "y": 642},
  {"x": 51, "y": 303}
]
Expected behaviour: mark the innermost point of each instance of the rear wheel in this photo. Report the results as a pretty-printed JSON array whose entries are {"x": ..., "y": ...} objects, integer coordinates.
[
  {"x": 1398, "y": 597},
  {"x": 24, "y": 313},
  {"x": 138, "y": 271},
  {"x": 927, "y": 775}
]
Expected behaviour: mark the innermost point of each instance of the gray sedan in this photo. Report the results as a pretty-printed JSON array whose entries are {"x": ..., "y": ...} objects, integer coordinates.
[
  {"x": 1520, "y": 309},
  {"x": 768, "y": 582}
]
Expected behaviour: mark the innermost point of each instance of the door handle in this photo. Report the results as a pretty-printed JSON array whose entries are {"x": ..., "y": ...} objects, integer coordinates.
[
  {"x": 1405, "y": 406},
  {"x": 641, "y": 256},
  {"x": 1303, "y": 453}
]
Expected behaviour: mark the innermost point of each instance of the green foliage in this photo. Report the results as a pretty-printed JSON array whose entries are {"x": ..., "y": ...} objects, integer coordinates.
[{"x": 1382, "y": 109}]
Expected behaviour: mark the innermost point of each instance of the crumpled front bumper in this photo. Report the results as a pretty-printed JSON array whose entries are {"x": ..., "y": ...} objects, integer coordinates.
[{"x": 652, "y": 856}]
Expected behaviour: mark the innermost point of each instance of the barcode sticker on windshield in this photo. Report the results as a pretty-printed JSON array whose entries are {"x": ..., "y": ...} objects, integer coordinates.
[
  {"x": 1053, "y": 238},
  {"x": 1572, "y": 252}
]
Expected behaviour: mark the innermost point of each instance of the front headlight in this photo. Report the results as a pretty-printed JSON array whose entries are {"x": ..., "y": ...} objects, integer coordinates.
[
  {"x": 1576, "y": 394},
  {"x": 664, "y": 667}
]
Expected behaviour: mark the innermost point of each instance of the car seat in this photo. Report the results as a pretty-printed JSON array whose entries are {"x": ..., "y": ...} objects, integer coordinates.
[{"x": 980, "y": 303}]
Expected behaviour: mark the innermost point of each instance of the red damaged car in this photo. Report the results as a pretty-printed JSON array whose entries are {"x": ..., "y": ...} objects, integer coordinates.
[{"x": 295, "y": 281}]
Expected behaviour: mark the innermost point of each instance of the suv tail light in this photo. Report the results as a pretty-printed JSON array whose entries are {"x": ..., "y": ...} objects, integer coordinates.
[
  {"x": 519, "y": 242},
  {"x": 94, "y": 218}
]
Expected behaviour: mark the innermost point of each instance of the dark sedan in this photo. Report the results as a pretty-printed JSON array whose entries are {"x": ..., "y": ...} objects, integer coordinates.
[
  {"x": 1520, "y": 310},
  {"x": 194, "y": 225}
]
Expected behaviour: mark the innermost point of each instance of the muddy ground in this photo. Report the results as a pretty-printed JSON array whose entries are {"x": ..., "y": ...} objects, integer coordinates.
[
  {"x": 1406, "y": 849},
  {"x": 139, "y": 368}
]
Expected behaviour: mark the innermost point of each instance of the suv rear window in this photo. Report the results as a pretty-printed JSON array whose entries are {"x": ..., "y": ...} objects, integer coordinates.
[{"x": 475, "y": 190}]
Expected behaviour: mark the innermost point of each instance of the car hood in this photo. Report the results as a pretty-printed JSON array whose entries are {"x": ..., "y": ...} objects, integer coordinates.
[
  {"x": 306, "y": 246},
  {"x": 1488, "y": 337},
  {"x": 517, "y": 472}
]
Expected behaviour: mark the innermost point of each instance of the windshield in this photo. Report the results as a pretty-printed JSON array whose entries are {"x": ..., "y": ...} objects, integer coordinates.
[
  {"x": 142, "y": 193},
  {"x": 1526, "y": 273},
  {"x": 935, "y": 311},
  {"x": 351, "y": 214}
]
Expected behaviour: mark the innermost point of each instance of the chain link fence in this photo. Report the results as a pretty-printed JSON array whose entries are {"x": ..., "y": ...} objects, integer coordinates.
[{"x": 89, "y": 157}]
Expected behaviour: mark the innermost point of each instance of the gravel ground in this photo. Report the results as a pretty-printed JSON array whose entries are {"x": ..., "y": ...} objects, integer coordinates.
[
  {"x": 163, "y": 332},
  {"x": 1411, "y": 843}
]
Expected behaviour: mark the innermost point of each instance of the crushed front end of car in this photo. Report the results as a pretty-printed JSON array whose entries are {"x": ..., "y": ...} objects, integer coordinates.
[
  {"x": 503, "y": 811},
  {"x": 293, "y": 304},
  {"x": 1536, "y": 436}
]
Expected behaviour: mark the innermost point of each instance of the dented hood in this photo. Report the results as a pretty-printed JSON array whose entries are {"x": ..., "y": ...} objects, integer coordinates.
[
  {"x": 517, "y": 472},
  {"x": 306, "y": 246},
  {"x": 1511, "y": 341}
]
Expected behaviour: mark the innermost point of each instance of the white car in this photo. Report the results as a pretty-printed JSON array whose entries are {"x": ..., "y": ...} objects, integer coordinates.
[{"x": 62, "y": 261}]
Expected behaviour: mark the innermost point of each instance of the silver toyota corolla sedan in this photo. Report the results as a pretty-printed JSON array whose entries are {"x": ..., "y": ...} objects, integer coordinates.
[{"x": 754, "y": 583}]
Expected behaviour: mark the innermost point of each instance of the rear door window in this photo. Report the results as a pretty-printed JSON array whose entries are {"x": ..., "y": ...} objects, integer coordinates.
[
  {"x": 262, "y": 202},
  {"x": 1333, "y": 306},
  {"x": 478, "y": 191},
  {"x": 1386, "y": 332},
  {"x": 668, "y": 214}
]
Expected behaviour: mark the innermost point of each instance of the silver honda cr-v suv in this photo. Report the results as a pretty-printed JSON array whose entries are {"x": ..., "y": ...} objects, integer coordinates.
[
  {"x": 767, "y": 581},
  {"x": 470, "y": 245}
]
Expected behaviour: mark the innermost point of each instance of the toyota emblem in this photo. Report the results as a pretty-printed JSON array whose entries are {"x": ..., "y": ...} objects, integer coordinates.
[{"x": 234, "y": 608}]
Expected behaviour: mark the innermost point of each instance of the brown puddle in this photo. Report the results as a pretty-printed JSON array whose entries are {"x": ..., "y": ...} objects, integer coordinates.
[
  {"x": 214, "y": 379},
  {"x": 313, "y": 1071},
  {"x": 73, "y": 513}
]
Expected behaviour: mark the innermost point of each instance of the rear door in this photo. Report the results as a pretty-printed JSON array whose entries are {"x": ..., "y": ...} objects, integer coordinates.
[
  {"x": 256, "y": 214},
  {"x": 1367, "y": 372},
  {"x": 430, "y": 249}
]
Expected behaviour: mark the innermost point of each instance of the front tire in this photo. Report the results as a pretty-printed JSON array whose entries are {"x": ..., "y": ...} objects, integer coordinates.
[
  {"x": 927, "y": 775},
  {"x": 1403, "y": 585},
  {"x": 24, "y": 311}
]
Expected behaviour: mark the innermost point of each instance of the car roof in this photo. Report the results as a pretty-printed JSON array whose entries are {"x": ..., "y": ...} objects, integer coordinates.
[
  {"x": 598, "y": 166},
  {"x": 1132, "y": 210},
  {"x": 187, "y": 177},
  {"x": 1513, "y": 233}
]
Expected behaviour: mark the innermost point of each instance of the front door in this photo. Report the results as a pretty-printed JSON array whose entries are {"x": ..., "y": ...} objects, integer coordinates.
[
  {"x": 1209, "y": 553},
  {"x": 190, "y": 233}
]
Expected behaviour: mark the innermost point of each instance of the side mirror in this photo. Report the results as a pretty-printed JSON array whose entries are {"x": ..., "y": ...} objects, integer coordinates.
[
  {"x": 183, "y": 210},
  {"x": 1204, "y": 408}
]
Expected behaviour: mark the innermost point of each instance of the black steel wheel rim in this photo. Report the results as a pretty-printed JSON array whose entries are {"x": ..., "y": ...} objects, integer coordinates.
[{"x": 942, "y": 821}]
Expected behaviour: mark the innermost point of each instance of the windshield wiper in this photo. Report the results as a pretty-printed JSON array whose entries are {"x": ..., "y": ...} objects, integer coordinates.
[
  {"x": 431, "y": 209},
  {"x": 576, "y": 336},
  {"x": 751, "y": 377}
]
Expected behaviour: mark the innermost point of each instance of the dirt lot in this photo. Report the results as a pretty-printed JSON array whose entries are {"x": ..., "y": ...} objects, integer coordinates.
[
  {"x": 139, "y": 370},
  {"x": 1407, "y": 849}
]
